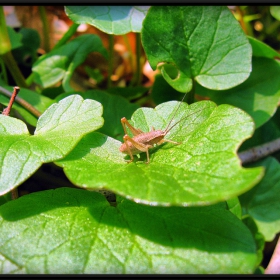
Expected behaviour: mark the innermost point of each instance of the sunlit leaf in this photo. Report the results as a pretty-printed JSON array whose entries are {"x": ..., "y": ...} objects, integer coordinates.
[
  {"x": 116, "y": 20},
  {"x": 203, "y": 169},
  {"x": 58, "y": 130},
  {"x": 70, "y": 231},
  {"x": 203, "y": 43}
]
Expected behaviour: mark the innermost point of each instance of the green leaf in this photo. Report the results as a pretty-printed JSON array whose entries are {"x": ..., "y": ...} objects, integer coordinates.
[
  {"x": 192, "y": 173},
  {"x": 58, "y": 130},
  {"x": 263, "y": 134},
  {"x": 15, "y": 38},
  {"x": 234, "y": 206},
  {"x": 202, "y": 43},
  {"x": 94, "y": 74},
  {"x": 38, "y": 101},
  {"x": 259, "y": 95},
  {"x": 261, "y": 49},
  {"x": 115, "y": 107},
  {"x": 163, "y": 92},
  {"x": 275, "y": 12},
  {"x": 26, "y": 54},
  {"x": 262, "y": 202},
  {"x": 116, "y": 20},
  {"x": 129, "y": 93},
  {"x": 259, "y": 238},
  {"x": 70, "y": 231},
  {"x": 60, "y": 63}
]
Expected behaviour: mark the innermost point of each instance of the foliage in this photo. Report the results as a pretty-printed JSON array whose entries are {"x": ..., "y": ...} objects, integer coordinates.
[{"x": 194, "y": 208}]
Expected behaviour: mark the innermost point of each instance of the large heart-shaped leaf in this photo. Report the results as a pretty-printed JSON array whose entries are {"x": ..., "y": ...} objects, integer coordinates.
[
  {"x": 262, "y": 202},
  {"x": 202, "y": 43},
  {"x": 203, "y": 169},
  {"x": 60, "y": 63},
  {"x": 259, "y": 95},
  {"x": 116, "y": 20},
  {"x": 78, "y": 232},
  {"x": 58, "y": 130}
]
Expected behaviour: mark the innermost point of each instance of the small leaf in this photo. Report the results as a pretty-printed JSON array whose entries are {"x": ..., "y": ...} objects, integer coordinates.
[
  {"x": 129, "y": 93},
  {"x": 116, "y": 20},
  {"x": 261, "y": 49},
  {"x": 259, "y": 95},
  {"x": 163, "y": 92},
  {"x": 235, "y": 207},
  {"x": 26, "y": 54},
  {"x": 259, "y": 238},
  {"x": 265, "y": 133},
  {"x": 198, "y": 42},
  {"x": 58, "y": 130},
  {"x": 275, "y": 12},
  {"x": 15, "y": 38},
  {"x": 70, "y": 231},
  {"x": 203, "y": 169},
  {"x": 262, "y": 202},
  {"x": 60, "y": 63}
]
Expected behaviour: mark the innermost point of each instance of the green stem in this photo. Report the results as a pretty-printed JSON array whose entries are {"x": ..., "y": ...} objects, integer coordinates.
[
  {"x": 271, "y": 28},
  {"x": 14, "y": 69},
  {"x": 190, "y": 95},
  {"x": 5, "y": 43},
  {"x": 22, "y": 102},
  {"x": 138, "y": 60},
  {"x": 5, "y": 52},
  {"x": 111, "y": 57},
  {"x": 67, "y": 35},
  {"x": 29, "y": 79},
  {"x": 4, "y": 71},
  {"x": 46, "y": 31}
]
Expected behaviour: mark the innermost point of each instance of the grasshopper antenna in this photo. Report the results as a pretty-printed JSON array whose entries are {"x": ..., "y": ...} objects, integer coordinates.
[
  {"x": 174, "y": 114},
  {"x": 167, "y": 130}
]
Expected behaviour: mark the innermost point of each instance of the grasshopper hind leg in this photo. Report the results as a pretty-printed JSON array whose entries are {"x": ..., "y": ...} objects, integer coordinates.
[{"x": 139, "y": 146}]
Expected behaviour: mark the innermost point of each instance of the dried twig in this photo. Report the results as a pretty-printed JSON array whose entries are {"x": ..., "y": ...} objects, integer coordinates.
[{"x": 259, "y": 152}]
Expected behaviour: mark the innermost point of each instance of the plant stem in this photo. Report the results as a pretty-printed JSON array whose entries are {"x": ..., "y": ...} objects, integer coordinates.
[
  {"x": 22, "y": 102},
  {"x": 128, "y": 46},
  {"x": 14, "y": 70},
  {"x": 67, "y": 35},
  {"x": 6, "y": 112},
  {"x": 5, "y": 52},
  {"x": 29, "y": 79},
  {"x": 46, "y": 30},
  {"x": 259, "y": 152},
  {"x": 190, "y": 95},
  {"x": 4, "y": 71},
  {"x": 5, "y": 45},
  {"x": 138, "y": 60},
  {"x": 111, "y": 57}
]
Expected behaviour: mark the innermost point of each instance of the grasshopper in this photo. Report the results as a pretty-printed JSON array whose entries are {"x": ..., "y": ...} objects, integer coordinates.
[{"x": 142, "y": 141}]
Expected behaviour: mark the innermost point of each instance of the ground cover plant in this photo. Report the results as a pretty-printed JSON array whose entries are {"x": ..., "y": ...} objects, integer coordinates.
[{"x": 204, "y": 201}]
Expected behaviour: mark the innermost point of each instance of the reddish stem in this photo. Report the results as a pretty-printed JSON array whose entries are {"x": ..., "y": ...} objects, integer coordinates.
[{"x": 7, "y": 110}]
